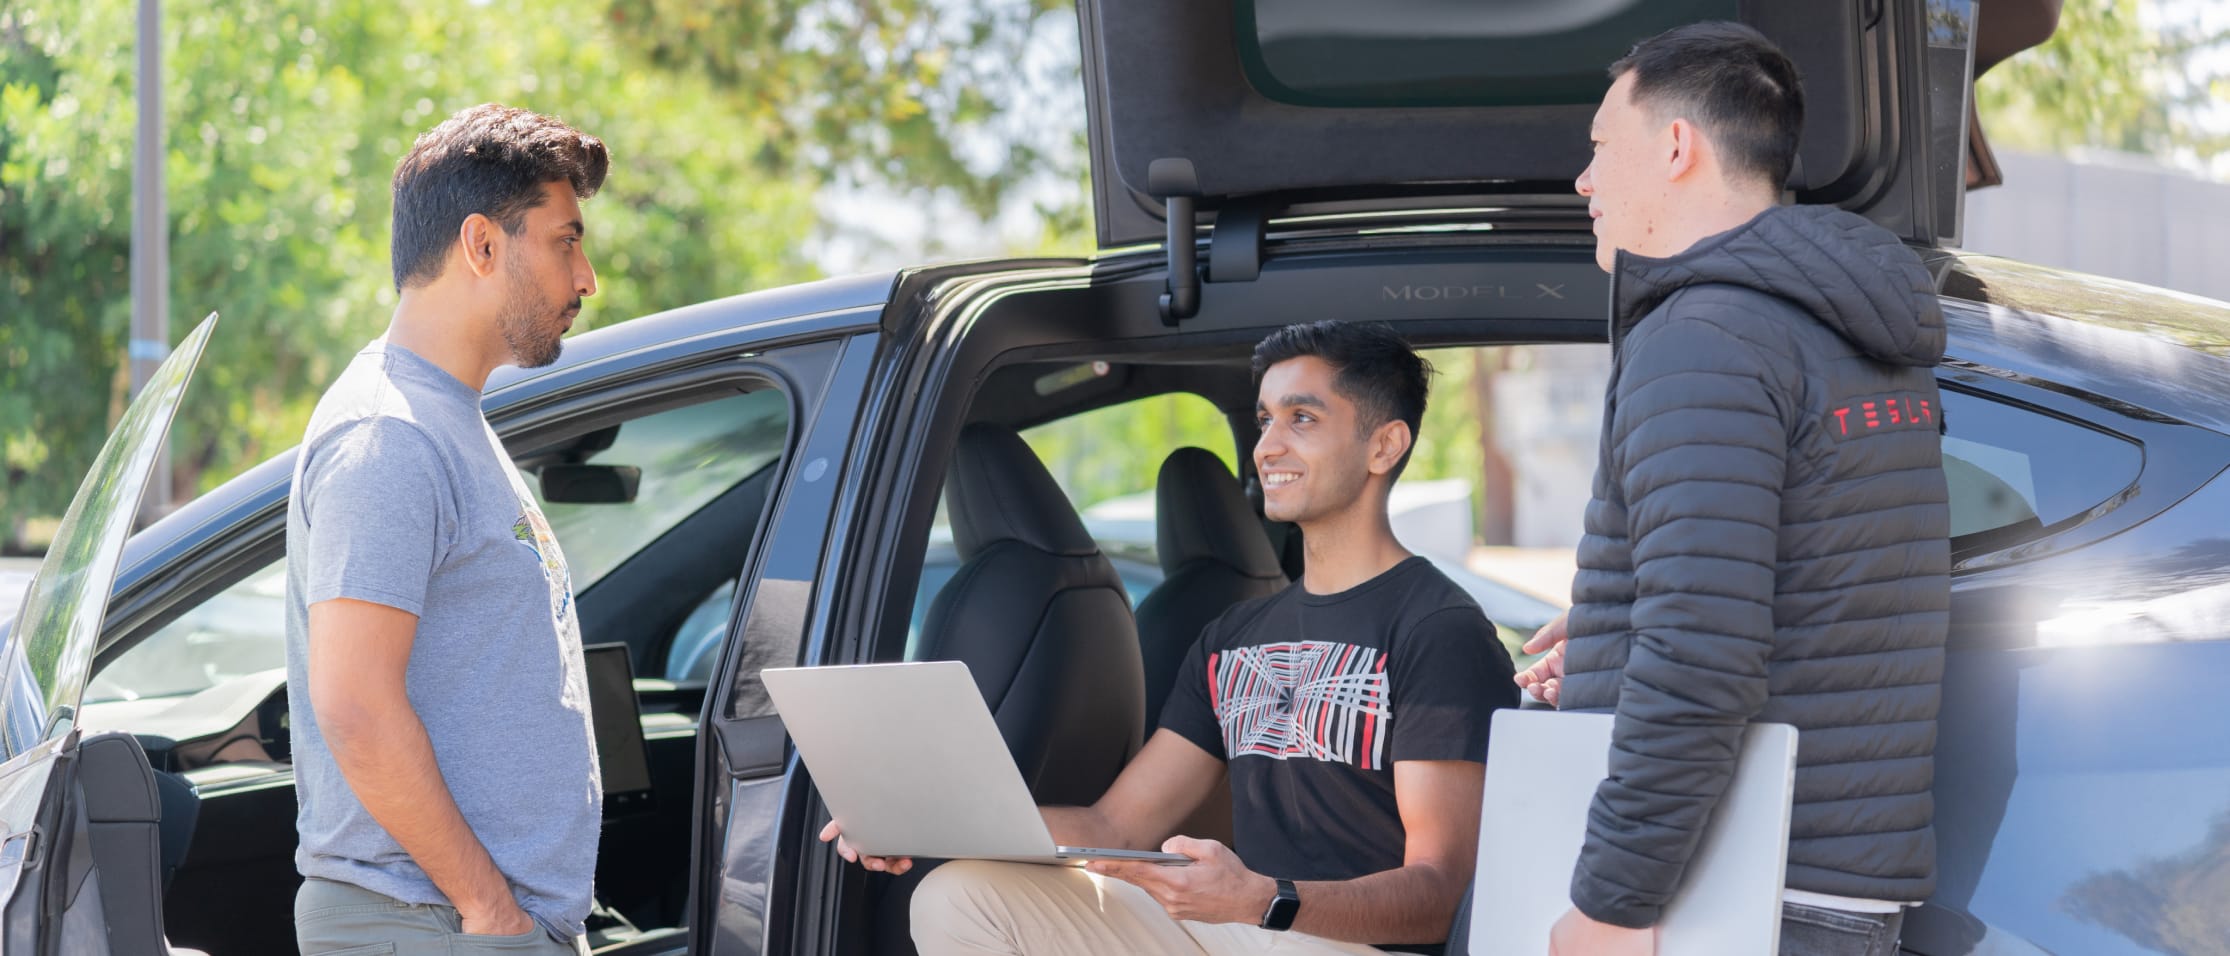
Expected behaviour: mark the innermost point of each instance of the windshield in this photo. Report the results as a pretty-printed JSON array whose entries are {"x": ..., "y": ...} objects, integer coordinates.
[{"x": 51, "y": 646}]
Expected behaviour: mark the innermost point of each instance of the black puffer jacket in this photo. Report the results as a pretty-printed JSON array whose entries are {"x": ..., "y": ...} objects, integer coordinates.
[{"x": 1768, "y": 541}]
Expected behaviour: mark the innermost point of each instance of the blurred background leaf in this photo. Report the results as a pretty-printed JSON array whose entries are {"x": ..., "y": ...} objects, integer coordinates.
[{"x": 2144, "y": 78}]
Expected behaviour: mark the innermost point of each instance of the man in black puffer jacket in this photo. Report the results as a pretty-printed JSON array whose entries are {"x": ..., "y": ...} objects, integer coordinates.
[{"x": 1768, "y": 536}]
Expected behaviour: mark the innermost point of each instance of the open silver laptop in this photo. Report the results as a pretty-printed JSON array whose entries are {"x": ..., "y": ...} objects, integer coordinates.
[
  {"x": 910, "y": 764},
  {"x": 1542, "y": 771}
]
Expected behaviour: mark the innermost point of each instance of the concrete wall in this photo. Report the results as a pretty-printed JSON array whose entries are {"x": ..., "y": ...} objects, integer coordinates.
[
  {"x": 2110, "y": 214},
  {"x": 1433, "y": 517},
  {"x": 1548, "y": 414}
]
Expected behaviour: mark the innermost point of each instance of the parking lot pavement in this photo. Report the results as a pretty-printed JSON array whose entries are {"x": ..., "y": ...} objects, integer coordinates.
[{"x": 1546, "y": 573}]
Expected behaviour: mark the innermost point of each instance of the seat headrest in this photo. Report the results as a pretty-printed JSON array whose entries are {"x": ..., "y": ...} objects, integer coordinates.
[
  {"x": 1201, "y": 512},
  {"x": 998, "y": 490}
]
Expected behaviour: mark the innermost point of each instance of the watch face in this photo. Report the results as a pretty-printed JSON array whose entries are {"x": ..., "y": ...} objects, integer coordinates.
[{"x": 1283, "y": 907}]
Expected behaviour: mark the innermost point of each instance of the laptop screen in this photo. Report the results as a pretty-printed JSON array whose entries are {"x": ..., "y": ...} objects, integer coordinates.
[{"x": 619, "y": 725}]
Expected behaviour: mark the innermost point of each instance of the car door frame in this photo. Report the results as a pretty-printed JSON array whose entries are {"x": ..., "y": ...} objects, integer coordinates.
[
  {"x": 742, "y": 762},
  {"x": 949, "y": 327}
]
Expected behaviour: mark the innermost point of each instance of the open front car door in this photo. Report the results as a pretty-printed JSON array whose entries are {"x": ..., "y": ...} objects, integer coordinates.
[{"x": 81, "y": 816}]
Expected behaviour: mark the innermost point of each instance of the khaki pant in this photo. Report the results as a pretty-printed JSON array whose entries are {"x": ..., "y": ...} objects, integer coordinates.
[{"x": 976, "y": 906}]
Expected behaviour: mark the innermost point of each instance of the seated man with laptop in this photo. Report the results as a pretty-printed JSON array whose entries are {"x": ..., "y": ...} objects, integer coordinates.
[{"x": 1351, "y": 710}]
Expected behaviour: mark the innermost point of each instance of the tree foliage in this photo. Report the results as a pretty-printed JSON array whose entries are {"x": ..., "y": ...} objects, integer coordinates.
[
  {"x": 2107, "y": 79},
  {"x": 1117, "y": 451},
  {"x": 285, "y": 119},
  {"x": 909, "y": 92}
]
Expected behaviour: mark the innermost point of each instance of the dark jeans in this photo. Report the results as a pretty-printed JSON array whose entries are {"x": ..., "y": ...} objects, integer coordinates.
[{"x": 1812, "y": 931}]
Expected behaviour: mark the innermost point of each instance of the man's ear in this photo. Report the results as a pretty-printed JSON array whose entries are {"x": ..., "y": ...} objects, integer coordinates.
[
  {"x": 481, "y": 241},
  {"x": 1389, "y": 442},
  {"x": 1684, "y": 144}
]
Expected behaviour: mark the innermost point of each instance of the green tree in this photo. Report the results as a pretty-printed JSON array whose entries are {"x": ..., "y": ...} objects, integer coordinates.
[
  {"x": 919, "y": 93},
  {"x": 1116, "y": 451},
  {"x": 1448, "y": 439},
  {"x": 2106, "y": 79},
  {"x": 284, "y": 123}
]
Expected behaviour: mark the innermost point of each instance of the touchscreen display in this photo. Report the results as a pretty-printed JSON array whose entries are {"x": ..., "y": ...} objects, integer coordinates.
[{"x": 618, "y": 721}]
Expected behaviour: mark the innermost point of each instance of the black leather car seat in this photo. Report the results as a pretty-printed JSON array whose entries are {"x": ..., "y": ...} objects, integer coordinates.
[
  {"x": 1213, "y": 555},
  {"x": 1045, "y": 626},
  {"x": 125, "y": 803},
  {"x": 1042, "y": 620}
]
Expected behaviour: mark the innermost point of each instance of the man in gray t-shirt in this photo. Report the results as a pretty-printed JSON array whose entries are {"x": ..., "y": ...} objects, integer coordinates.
[{"x": 444, "y": 757}]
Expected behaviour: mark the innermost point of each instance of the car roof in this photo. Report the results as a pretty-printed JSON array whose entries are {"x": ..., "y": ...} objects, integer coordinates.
[
  {"x": 2138, "y": 347},
  {"x": 745, "y": 313}
]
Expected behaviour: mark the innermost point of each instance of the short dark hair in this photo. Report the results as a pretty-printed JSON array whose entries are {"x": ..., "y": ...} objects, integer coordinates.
[
  {"x": 1373, "y": 367},
  {"x": 1730, "y": 81},
  {"x": 489, "y": 159}
]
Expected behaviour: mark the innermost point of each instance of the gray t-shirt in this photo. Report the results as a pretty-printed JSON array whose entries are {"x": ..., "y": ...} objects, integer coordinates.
[{"x": 403, "y": 496}]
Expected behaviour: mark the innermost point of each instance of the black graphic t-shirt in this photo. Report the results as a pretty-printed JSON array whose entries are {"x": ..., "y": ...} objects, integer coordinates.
[{"x": 1311, "y": 699}]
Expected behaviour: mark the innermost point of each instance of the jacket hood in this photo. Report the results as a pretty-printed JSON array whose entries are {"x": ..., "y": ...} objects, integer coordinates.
[{"x": 1853, "y": 276}]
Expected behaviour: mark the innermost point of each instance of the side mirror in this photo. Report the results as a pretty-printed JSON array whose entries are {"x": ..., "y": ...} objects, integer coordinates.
[{"x": 590, "y": 484}]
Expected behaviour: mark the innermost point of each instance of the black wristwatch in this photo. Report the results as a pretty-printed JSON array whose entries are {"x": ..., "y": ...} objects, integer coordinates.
[{"x": 1283, "y": 908}]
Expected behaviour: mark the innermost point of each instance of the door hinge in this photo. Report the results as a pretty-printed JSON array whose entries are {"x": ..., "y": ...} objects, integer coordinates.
[{"x": 1174, "y": 182}]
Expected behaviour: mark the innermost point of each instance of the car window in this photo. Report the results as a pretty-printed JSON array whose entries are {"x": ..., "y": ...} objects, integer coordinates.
[
  {"x": 50, "y": 647},
  {"x": 240, "y": 630},
  {"x": 688, "y": 456},
  {"x": 691, "y": 654},
  {"x": 1106, "y": 461},
  {"x": 2016, "y": 471}
]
